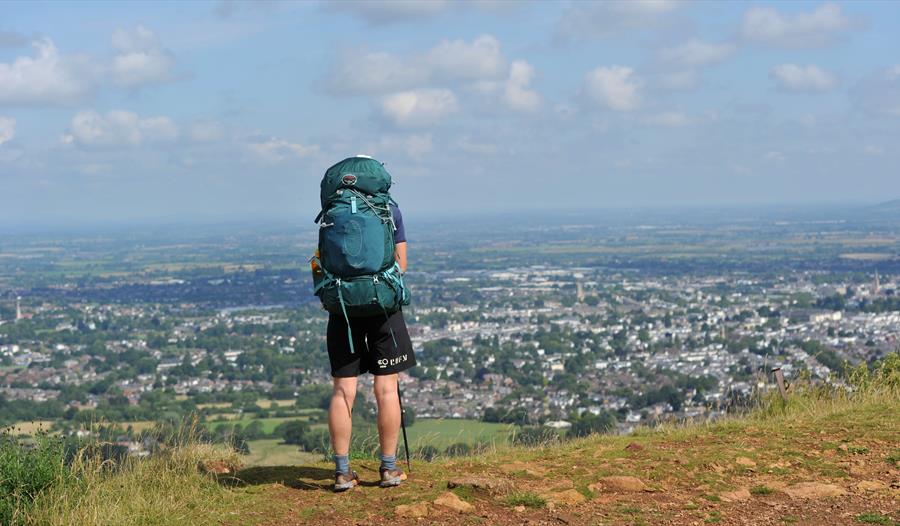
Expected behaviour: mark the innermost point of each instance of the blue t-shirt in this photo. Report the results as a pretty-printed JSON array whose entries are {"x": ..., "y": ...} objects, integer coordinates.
[{"x": 400, "y": 233}]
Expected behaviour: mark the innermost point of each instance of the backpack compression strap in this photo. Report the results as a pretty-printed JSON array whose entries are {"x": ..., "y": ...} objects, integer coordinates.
[
  {"x": 386, "y": 317},
  {"x": 346, "y": 318}
]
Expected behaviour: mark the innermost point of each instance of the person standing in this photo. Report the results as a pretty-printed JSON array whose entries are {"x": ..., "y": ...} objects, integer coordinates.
[{"x": 377, "y": 343}]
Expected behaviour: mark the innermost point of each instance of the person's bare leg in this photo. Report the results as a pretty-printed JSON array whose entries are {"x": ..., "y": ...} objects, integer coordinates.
[
  {"x": 340, "y": 420},
  {"x": 388, "y": 412}
]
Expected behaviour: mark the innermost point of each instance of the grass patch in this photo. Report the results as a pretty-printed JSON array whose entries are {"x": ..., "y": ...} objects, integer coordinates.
[
  {"x": 165, "y": 490},
  {"x": 26, "y": 469},
  {"x": 714, "y": 517},
  {"x": 894, "y": 458},
  {"x": 527, "y": 499},
  {"x": 761, "y": 490},
  {"x": 874, "y": 518},
  {"x": 466, "y": 493},
  {"x": 274, "y": 452}
]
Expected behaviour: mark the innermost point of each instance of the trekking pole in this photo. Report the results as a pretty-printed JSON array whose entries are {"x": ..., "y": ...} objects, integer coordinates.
[{"x": 403, "y": 426}]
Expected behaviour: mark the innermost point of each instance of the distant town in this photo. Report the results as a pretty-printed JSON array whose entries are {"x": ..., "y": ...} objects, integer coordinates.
[{"x": 531, "y": 344}]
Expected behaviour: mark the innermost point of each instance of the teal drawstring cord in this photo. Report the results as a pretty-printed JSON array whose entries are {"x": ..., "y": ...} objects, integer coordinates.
[{"x": 346, "y": 318}]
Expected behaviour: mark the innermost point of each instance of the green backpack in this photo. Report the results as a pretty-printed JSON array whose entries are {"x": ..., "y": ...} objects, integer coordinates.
[{"x": 355, "y": 272}]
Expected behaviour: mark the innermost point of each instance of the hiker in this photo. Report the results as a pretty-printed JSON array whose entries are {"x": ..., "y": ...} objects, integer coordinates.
[{"x": 358, "y": 275}]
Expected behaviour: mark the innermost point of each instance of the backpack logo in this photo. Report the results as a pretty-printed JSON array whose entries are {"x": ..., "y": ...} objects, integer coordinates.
[{"x": 349, "y": 179}]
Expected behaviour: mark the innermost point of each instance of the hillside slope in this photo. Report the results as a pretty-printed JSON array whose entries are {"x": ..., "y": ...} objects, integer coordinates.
[
  {"x": 826, "y": 456},
  {"x": 830, "y": 465}
]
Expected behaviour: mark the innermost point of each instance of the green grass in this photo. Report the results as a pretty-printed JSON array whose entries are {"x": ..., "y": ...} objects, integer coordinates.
[
  {"x": 714, "y": 517},
  {"x": 26, "y": 469},
  {"x": 761, "y": 490},
  {"x": 272, "y": 452},
  {"x": 527, "y": 499},
  {"x": 875, "y": 518},
  {"x": 441, "y": 433},
  {"x": 166, "y": 490}
]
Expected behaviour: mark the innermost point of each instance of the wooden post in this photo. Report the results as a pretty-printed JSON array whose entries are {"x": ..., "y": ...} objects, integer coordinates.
[{"x": 779, "y": 379}]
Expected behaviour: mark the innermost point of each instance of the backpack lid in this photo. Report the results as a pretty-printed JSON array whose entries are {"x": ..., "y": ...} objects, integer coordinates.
[{"x": 361, "y": 173}]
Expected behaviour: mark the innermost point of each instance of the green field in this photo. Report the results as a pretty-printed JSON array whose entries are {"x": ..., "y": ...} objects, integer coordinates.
[
  {"x": 272, "y": 452},
  {"x": 440, "y": 433},
  {"x": 435, "y": 432}
]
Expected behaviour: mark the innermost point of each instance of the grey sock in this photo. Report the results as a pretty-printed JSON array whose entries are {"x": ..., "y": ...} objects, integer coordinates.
[
  {"x": 389, "y": 462},
  {"x": 342, "y": 464}
]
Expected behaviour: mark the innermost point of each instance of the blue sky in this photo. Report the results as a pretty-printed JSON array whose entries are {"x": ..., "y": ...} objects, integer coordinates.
[{"x": 183, "y": 110}]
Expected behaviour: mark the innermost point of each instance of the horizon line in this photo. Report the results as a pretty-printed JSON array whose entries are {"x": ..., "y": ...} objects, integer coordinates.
[{"x": 297, "y": 219}]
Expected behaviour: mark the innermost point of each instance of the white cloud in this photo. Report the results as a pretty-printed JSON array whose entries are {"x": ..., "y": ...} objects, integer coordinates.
[
  {"x": 696, "y": 53},
  {"x": 803, "y": 78},
  {"x": 46, "y": 78},
  {"x": 602, "y": 19},
  {"x": 767, "y": 25},
  {"x": 615, "y": 87},
  {"x": 118, "y": 128},
  {"x": 517, "y": 96},
  {"x": 362, "y": 72},
  {"x": 274, "y": 149},
  {"x": 7, "y": 129},
  {"x": 418, "y": 107},
  {"x": 460, "y": 60},
  {"x": 141, "y": 59}
]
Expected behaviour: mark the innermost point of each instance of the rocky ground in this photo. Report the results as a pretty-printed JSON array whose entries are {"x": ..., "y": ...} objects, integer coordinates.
[{"x": 834, "y": 465}]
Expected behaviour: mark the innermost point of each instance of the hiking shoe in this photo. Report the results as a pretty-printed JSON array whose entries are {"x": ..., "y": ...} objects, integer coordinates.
[
  {"x": 345, "y": 481},
  {"x": 391, "y": 477}
]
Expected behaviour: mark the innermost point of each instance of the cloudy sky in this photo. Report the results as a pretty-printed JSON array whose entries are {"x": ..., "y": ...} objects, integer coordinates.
[{"x": 122, "y": 111}]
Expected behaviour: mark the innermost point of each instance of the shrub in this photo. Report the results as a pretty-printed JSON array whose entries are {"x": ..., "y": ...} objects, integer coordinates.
[{"x": 292, "y": 431}]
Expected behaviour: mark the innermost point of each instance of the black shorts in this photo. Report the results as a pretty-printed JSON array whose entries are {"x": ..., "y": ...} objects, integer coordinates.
[{"x": 375, "y": 349}]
